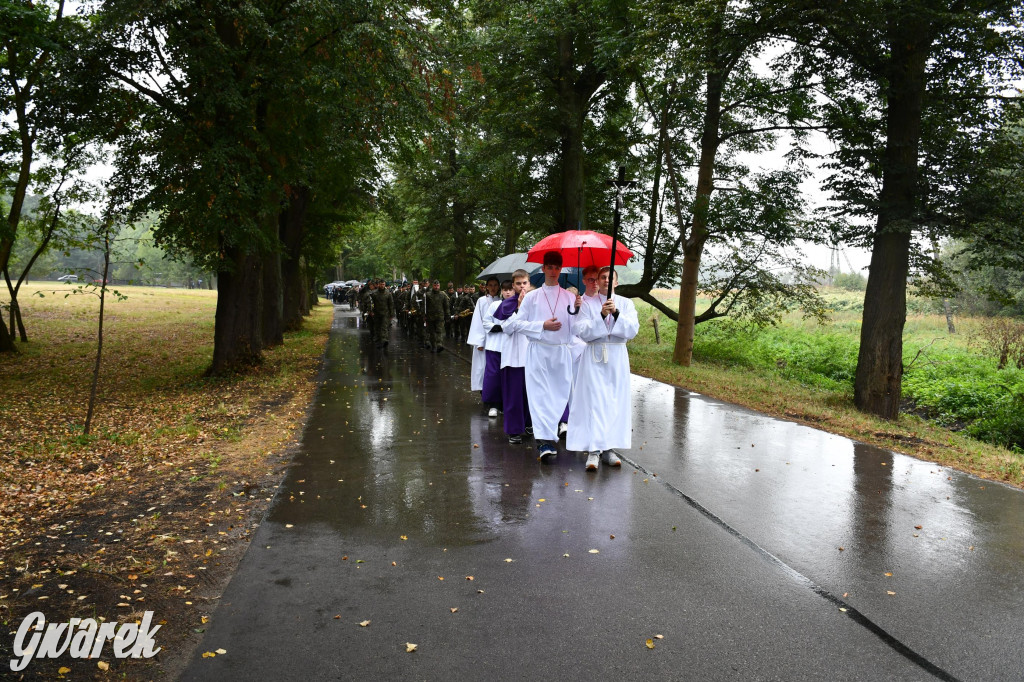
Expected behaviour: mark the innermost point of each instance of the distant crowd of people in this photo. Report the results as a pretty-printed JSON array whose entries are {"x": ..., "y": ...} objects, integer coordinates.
[{"x": 551, "y": 361}]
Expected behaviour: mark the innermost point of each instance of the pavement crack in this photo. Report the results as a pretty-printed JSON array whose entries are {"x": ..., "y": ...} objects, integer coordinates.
[{"x": 858, "y": 617}]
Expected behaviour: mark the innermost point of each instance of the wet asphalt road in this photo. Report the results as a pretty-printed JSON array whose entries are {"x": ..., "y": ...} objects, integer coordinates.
[{"x": 727, "y": 530}]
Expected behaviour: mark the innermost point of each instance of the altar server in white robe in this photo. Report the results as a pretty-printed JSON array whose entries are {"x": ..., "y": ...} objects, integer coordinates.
[
  {"x": 600, "y": 417},
  {"x": 544, "y": 318},
  {"x": 477, "y": 335}
]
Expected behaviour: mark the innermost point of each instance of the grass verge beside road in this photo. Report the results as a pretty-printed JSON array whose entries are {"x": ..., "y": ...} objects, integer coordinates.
[
  {"x": 771, "y": 377},
  {"x": 152, "y": 510}
]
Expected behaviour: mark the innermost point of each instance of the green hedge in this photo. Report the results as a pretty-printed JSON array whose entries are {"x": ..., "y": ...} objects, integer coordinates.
[{"x": 953, "y": 387}]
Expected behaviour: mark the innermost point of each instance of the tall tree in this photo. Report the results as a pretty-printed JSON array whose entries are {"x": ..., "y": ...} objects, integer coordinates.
[
  {"x": 554, "y": 80},
  {"x": 243, "y": 112},
  {"x": 700, "y": 75},
  {"x": 901, "y": 76},
  {"x": 34, "y": 38}
]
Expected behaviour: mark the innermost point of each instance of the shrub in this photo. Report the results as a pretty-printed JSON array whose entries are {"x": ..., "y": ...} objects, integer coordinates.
[{"x": 850, "y": 281}]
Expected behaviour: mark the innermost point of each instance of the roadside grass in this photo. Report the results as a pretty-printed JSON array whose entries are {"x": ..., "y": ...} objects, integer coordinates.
[
  {"x": 163, "y": 493},
  {"x": 803, "y": 371}
]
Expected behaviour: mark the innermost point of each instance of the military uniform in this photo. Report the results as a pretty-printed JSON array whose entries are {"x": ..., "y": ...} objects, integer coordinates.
[
  {"x": 464, "y": 310},
  {"x": 365, "y": 303},
  {"x": 438, "y": 308},
  {"x": 402, "y": 308},
  {"x": 383, "y": 312},
  {"x": 449, "y": 323}
]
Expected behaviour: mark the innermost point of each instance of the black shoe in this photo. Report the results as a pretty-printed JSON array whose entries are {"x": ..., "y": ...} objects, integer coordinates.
[{"x": 515, "y": 439}]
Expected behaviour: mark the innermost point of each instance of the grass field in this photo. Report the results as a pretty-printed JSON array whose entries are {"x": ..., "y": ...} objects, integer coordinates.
[
  {"x": 153, "y": 508},
  {"x": 803, "y": 371}
]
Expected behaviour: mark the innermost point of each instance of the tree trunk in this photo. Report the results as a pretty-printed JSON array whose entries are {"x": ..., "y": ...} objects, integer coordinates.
[
  {"x": 99, "y": 331},
  {"x": 238, "y": 327},
  {"x": 572, "y": 106},
  {"x": 273, "y": 301},
  {"x": 948, "y": 309},
  {"x": 693, "y": 247},
  {"x": 6, "y": 341},
  {"x": 878, "y": 381},
  {"x": 292, "y": 231},
  {"x": 305, "y": 291},
  {"x": 460, "y": 225}
]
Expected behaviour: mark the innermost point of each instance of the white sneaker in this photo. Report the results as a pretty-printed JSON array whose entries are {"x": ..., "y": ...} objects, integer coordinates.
[
  {"x": 592, "y": 459},
  {"x": 563, "y": 429},
  {"x": 493, "y": 412},
  {"x": 610, "y": 458}
]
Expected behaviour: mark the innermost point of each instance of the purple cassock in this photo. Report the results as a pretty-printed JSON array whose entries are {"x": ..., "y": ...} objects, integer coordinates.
[{"x": 513, "y": 380}]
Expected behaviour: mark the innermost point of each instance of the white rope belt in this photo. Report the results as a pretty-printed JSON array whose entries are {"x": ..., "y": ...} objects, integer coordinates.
[
  {"x": 548, "y": 344},
  {"x": 602, "y": 354}
]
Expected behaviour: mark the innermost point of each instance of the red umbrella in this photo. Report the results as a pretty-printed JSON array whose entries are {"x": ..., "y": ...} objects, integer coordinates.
[{"x": 580, "y": 249}]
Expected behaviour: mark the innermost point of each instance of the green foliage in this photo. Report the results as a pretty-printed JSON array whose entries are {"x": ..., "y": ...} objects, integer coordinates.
[
  {"x": 954, "y": 387},
  {"x": 966, "y": 391},
  {"x": 823, "y": 359},
  {"x": 850, "y": 281}
]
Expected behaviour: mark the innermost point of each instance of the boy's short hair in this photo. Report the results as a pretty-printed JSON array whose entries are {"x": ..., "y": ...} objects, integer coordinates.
[
  {"x": 520, "y": 273},
  {"x": 606, "y": 269},
  {"x": 590, "y": 269},
  {"x": 553, "y": 258},
  {"x": 492, "y": 277},
  {"x": 506, "y": 285}
]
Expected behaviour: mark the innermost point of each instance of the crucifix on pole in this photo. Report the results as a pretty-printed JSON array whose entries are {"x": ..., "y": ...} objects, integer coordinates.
[{"x": 620, "y": 183}]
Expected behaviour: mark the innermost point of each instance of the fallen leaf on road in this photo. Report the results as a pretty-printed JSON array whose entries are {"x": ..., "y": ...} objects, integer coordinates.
[
  {"x": 508, "y": 561},
  {"x": 364, "y": 623},
  {"x": 595, "y": 551},
  {"x": 842, "y": 549},
  {"x": 220, "y": 651},
  {"x": 63, "y": 671},
  {"x": 890, "y": 592},
  {"x": 409, "y": 647},
  {"x": 659, "y": 637},
  {"x": 404, "y": 537},
  {"x": 103, "y": 665},
  {"x": 565, "y": 556},
  {"x": 440, "y": 577},
  {"x": 888, "y": 575},
  {"x": 454, "y": 609},
  {"x": 650, "y": 643},
  {"x": 206, "y": 654},
  {"x": 469, "y": 577},
  {"x": 611, "y": 537}
]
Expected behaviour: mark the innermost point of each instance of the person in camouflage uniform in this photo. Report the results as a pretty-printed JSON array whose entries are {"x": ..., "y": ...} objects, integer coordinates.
[
  {"x": 383, "y": 313},
  {"x": 464, "y": 311},
  {"x": 449, "y": 321},
  {"x": 365, "y": 302},
  {"x": 438, "y": 309}
]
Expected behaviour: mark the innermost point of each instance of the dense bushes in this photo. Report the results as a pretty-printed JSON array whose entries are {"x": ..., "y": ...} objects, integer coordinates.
[{"x": 952, "y": 386}]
